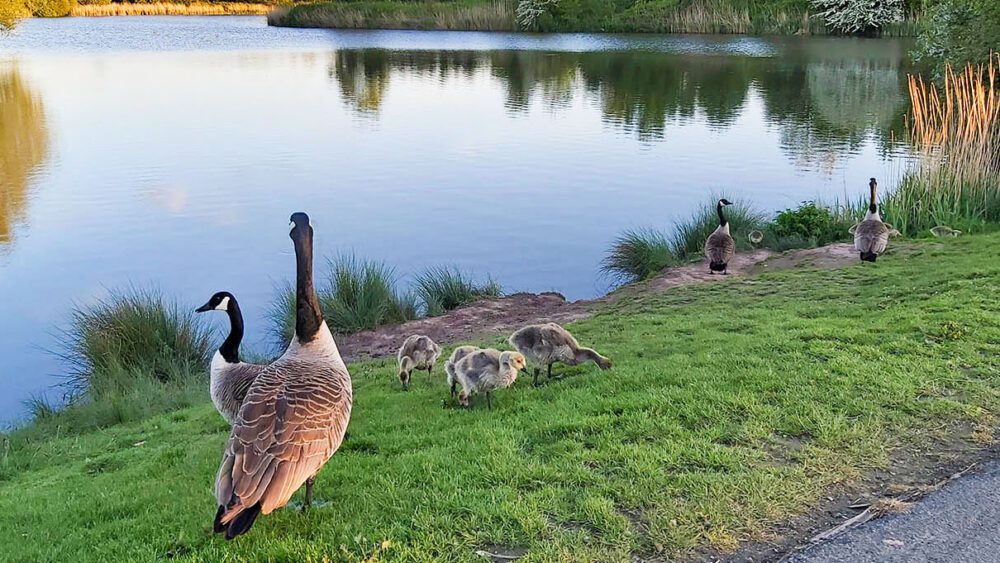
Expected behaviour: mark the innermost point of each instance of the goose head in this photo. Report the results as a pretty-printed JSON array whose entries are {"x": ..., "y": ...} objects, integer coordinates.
[
  {"x": 221, "y": 301},
  {"x": 725, "y": 202},
  {"x": 299, "y": 227},
  {"x": 513, "y": 359}
]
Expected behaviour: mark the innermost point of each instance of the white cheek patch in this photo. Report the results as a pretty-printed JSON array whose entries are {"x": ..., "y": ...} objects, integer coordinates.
[
  {"x": 223, "y": 305},
  {"x": 291, "y": 226}
]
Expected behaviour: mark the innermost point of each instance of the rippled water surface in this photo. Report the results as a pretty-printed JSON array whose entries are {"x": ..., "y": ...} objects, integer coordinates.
[{"x": 169, "y": 152}]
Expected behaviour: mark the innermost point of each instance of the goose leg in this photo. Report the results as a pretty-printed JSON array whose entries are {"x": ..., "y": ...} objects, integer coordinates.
[
  {"x": 489, "y": 404},
  {"x": 537, "y": 371},
  {"x": 549, "y": 375},
  {"x": 309, "y": 493}
]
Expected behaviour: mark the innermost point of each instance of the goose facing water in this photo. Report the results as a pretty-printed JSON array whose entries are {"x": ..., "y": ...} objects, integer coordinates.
[
  {"x": 720, "y": 246},
  {"x": 229, "y": 377},
  {"x": 294, "y": 415},
  {"x": 872, "y": 235}
]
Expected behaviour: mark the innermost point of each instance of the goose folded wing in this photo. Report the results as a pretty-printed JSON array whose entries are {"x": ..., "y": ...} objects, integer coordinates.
[
  {"x": 285, "y": 433},
  {"x": 720, "y": 247}
]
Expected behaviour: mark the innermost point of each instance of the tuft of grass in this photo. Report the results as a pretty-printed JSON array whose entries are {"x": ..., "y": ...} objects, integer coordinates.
[
  {"x": 637, "y": 254},
  {"x": 443, "y": 288},
  {"x": 689, "y": 236},
  {"x": 130, "y": 335},
  {"x": 357, "y": 295}
]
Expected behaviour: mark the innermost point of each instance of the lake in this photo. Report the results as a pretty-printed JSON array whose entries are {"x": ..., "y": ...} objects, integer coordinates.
[{"x": 169, "y": 153}]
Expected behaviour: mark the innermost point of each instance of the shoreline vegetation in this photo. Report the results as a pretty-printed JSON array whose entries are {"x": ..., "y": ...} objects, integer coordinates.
[
  {"x": 795, "y": 17},
  {"x": 172, "y": 9}
]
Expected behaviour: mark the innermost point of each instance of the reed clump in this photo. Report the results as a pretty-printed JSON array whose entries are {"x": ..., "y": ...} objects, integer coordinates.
[
  {"x": 955, "y": 126},
  {"x": 171, "y": 9},
  {"x": 493, "y": 15}
]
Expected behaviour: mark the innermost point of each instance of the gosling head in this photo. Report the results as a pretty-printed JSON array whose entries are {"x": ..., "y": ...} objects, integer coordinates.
[
  {"x": 221, "y": 301},
  {"x": 513, "y": 359},
  {"x": 605, "y": 363}
]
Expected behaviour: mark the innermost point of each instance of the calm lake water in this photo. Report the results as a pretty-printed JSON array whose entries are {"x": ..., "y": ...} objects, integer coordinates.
[{"x": 169, "y": 152}]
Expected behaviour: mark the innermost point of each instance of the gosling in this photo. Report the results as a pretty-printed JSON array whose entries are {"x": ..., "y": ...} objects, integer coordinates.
[
  {"x": 417, "y": 352},
  {"x": 485, "y": 371},
  {"x": 449, "y": 366},
  {"x": 550, "y": 343}
]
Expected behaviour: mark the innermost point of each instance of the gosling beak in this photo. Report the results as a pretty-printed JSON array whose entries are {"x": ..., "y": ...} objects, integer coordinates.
[{"x": 203, "y": 308}]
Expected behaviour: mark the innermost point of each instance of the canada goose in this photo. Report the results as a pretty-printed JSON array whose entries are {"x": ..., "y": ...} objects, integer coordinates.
[
  {"x": 485, "y": 371},
  {"x": 294, "y": 416},
  {"x": 945, "y": 231},
  {"x": 449, "y": 366},
  {"x": 549, "y": 343},
  {"x": 417, "y": 352},
  {"x": 720, "y": 247},
  {"x": 871, "y": 235},
  {"x": 229, "y": 377}
]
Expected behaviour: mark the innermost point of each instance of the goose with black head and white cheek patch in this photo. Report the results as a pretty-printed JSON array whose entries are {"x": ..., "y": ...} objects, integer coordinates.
[
  {"x": 229, "y": 377},
  {"x": 871, "y": 237},
  {"x": 720, "y": 246},
  {"x": 294, "y": 416}
]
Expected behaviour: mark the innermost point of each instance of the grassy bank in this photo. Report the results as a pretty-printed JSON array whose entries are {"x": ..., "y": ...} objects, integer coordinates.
[
  {"x": 785, "y": 17},
  {"x": 731, "y": 407},
  {"x": 171, "y": 9}
]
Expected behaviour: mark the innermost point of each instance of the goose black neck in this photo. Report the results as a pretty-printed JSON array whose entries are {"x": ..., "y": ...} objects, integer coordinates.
[
  {"x": 308, "y": 316},
  {"x": 230, "y": 348},
  {"x": 722, "y": 218}
]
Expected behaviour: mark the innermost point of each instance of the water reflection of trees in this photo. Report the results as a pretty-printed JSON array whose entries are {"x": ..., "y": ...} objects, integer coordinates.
[
  {"x": 824, "y": 100},
  {"x": 24, "y": 144}
]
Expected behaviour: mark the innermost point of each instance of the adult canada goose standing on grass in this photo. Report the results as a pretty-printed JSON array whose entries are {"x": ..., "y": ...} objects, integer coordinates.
[
  {"x": 720, "y": 246},
  {"x": 294, "y": 416},
  {"x": 871, "y": 236},
  {"x": 549, "y": 343},
  {"x": 229, "y": 378}
]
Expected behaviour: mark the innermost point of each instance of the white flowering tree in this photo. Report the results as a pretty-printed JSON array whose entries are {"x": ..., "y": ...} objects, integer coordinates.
[
  {"x": 858, "y": 16},
  {"x": 528, "y": 12}
]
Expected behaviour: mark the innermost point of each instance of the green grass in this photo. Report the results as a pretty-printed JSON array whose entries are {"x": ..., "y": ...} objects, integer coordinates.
[
  {"x": 731, "y": 407},
  {"x": 443, "y": 288}
]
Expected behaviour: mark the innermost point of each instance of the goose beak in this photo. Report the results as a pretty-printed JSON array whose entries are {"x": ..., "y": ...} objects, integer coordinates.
[{"x": 203, "y": 308}]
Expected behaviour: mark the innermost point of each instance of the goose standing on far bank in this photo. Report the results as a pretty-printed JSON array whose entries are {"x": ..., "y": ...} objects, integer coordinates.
[
  {"x": 871, "y": 236},
  {"x": 229, "y": 378},
  {"x": 720, "y": 246},
  {"x": 294, "y": 416}
]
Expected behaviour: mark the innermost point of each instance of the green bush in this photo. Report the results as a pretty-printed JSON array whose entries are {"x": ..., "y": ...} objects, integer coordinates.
[
  {"x": 959, "y": 32},
  {"x": 808, "y": 225}
]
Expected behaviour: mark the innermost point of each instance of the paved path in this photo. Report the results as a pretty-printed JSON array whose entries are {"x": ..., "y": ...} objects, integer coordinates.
[{"x": 959, "y": 523}]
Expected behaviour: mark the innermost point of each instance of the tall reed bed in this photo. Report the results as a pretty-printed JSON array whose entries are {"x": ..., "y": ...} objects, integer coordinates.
[
  {"x": 955, "y": 125},
  {"x": 171, "y": 9}
]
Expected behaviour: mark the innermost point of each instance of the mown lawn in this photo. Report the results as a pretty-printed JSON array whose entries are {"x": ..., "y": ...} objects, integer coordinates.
[{"x": 731, "y": 406}]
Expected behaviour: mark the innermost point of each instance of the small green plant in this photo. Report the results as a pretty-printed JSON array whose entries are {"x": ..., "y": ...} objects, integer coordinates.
[
  {"x": 443, "y": 288},
  {"x": 637, "y": 255},
  {"x": 859, "y": 16},
  {"x": 810, "y": 225}
]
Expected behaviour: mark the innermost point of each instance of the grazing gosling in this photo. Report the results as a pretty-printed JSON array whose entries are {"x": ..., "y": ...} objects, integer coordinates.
[
  {"x": 417, "y": 352},
  {"x": 485, "y": 371},
  {"x": 720, "y": 246},
  {"x": 872, "y": 235},
  {"x": 449, "y": 366},
  {"x": 550, "y": 343}
]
